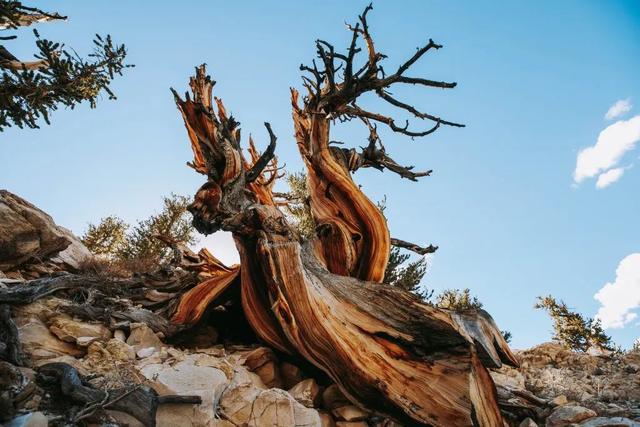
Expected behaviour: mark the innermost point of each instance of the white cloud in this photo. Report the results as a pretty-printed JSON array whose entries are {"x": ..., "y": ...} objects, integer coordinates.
[
  {"x": 620, "y": 107},
  {"x": 620, "y": 298},
  {"x": 613, "y": 142},
  {"x": 609, "y": 177}
]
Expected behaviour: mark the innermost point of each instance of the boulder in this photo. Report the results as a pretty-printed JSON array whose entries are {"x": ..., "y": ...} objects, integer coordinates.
[
  {"x": 567, "y": 415},
  {"x": 306, "y": 392},
  {"x": 246, "y": 402},
  {"x": 187, "y": 378},
  {"x": 277, "y": 408},
  {"x": 27, "y": 233}
]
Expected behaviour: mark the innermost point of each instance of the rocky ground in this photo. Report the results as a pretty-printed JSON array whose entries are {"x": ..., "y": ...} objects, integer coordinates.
[{"x": 237, "y": 382}]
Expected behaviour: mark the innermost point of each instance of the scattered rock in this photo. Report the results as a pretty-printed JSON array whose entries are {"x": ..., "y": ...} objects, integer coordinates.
[
  {"x": 146, "y": 352},
  {"x": 186, "y": 378},
  {"x": 277, "y": 408},
  {"x": 306, "y": 392},
  {"x": 264, "y": 363},
  {"x": 246, "y": 402},
  {"x": 143, "y": 336},
  {"x": 203, "y": 337},
  {"x": 326, "y": 420},
  {"x": 32, "y": 419},
  {"x": 566, "y": 415},
  {"x": 350, "y": 413},
  {"x": 528, "y": 422},
  {"x": 559, "y": 400},
  {"x": 332, "y": 398},
  {"x": 290, "y": 374},
  {"x": 120, "y": 335},
  {"x": 38, "y": 342},
  {"x": 69, "y": 330},
  {"x": 610, "y": 422}
]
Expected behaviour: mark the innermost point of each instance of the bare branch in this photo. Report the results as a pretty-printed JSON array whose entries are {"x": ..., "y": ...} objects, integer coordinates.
[
  {"x": 425, "y": 82},
  {"x": 413, "y": 247},
  {"x": 382, "y": 94},
  {"x": 264, "y": 159},
  {"x": 356, "y": 111},
  {"x": 404, "y": 67}
]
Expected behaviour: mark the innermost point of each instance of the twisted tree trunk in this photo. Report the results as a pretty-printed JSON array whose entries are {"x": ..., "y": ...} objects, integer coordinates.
[{"x": 322, "y": 298}]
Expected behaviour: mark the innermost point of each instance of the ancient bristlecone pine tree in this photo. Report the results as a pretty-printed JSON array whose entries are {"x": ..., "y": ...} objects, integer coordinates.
[{"x": 322, "y": 298}]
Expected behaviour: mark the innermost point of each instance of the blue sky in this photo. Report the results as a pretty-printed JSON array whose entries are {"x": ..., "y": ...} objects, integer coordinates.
[{"x": 535, "y": 82}]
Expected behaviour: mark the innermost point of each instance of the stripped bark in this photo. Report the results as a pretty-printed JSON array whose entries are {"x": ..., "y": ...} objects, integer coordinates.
[{"x": 322, "y": 299}]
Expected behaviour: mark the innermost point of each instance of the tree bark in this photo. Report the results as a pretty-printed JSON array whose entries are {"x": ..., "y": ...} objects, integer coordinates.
[{"x": 322, "y": 299}]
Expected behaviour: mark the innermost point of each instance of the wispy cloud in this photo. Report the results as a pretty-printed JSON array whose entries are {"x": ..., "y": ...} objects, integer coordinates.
[
  {"x": 613, "y": 142},
  {"x": 620, "y": 107},
  {"x": 619, "y": 299},
  {"x": 609, "y": 177}
]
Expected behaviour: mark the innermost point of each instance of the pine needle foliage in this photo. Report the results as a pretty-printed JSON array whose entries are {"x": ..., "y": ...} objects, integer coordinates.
[
  {"x": 115, "y": 239},
  {"x": 60, "y": 77},
  {"x": 573, "y": 330},
  {"x": 458, "y": 300}
]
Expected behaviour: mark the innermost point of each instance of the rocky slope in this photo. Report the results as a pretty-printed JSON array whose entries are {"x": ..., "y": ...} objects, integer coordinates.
[
  {"x": 601, "y": 388},
  {"x": 236, "y": 382}
]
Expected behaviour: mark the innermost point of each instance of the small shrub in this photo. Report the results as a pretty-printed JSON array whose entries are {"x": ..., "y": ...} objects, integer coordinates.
[
  {"x": 138, "y": 248},
  {"x": 458, "y": 300},
  {"x": 572, "y": 329}
]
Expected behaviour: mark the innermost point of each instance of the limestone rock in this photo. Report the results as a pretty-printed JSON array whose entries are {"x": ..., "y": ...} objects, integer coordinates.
[
  {"x": 27, "y": 233},
  {"x": 610, "y": 422},
  {"x": 332, "y": 398},
  {"x": 143, "y": 336},
  {"x": 145, "y": 352},
  {"x": 290, "y": 374},
  {"x": 120, "y": 335},
  {"x": 528, "y": 422},
  {"x": 350, "y": 413},
  {"x": 32, "y": 419},
  {"x": 351, "y": 424},
  {"x": 306, "y": 392},
  {"x": 69, "y": 330},
  {"x": 73, "y": 256},
  {"x": 508, "y": 377},
  {"x": 326, "y": 420},
  {"x": 264, "y": 363},
  {"x": 245, "y": 403},
  {"x": 187, "y": 378},
  {"x": 559, "y": 400},
  {"x": 567, "y": 415},
  {"x": 37, "y": 341}
]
